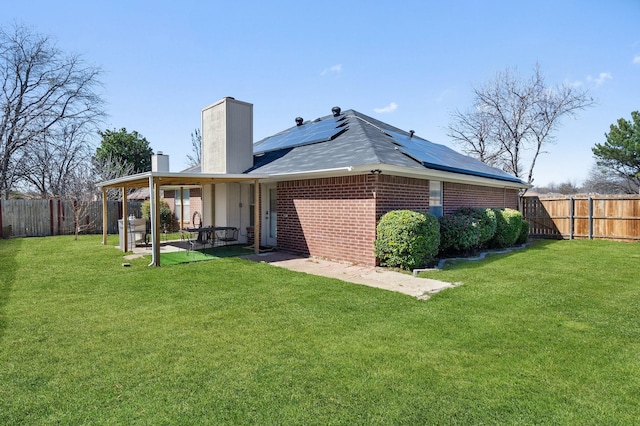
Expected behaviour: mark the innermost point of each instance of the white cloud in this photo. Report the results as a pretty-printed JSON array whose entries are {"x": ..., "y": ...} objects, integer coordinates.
[
  {"x": 576, "y": 83},
  {"x": 602, "y": 77},
  {"x": 389, "y": 108},
  {"x": 334, "y": 69},
  {"x": 636, "y": 59}
]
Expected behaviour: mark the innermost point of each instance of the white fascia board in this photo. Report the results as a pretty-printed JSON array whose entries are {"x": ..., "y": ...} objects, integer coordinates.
[
  {"x": 169, "y": 175},
  {"x": 423, "y": 173},
  {"x": 419, "y": 173}
]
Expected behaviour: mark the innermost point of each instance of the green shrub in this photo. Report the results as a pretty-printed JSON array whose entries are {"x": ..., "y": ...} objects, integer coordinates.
[
  {"x": 407, "y": 239},
  {"x": 524, "y": 233},
  {"x": 459, "y": 233},
  {"x": 509, "y": 224},
  {"x": 486, "y": 219},
  {"x": 166, "y": 217}
]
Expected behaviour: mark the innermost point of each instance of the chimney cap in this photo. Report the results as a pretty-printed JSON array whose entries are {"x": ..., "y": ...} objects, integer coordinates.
[
  {"x": 336, "y": 111},
  {"x": 411, "y": 132},
  {"x": 299, "y": 121}
]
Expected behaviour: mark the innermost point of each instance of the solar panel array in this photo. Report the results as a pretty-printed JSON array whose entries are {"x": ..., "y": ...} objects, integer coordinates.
[
  {"x": 440, "y": 157},
  {"x": 305, "y": 134}
]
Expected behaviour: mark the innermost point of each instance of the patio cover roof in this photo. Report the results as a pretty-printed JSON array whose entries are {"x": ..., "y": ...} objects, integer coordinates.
[
  {"x": 168, "y": 179},
  {"x": 154, "y": 181}
]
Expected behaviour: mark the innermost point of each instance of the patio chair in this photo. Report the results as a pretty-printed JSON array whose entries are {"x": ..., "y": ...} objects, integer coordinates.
[{"x": 226, "y": 236}]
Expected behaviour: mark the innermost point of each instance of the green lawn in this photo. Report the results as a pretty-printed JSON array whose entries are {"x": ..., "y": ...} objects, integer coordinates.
[{"x": 546, "y": 335}]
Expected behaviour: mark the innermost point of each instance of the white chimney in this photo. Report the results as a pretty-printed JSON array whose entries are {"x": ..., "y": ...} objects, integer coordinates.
[
  {"x": 227, "y": 136},
  {"x": 159, "y": 162}
]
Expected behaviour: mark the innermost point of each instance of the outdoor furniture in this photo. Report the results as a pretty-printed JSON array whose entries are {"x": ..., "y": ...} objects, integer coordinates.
[
  {"x": 226, "y": 235},
  {"x": 213, "y": 235}
]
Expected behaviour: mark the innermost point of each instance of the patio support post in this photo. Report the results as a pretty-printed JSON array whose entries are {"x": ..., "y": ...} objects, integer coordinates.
[
  {"x": 182, "y": 208},
  {"x": 256, "y": 217},
  {"x": 104, "y": 216},
  {"x": 153, "y": 207},
  {"x": 156, "y": 193},
  {"x": 125, "y": 220}
]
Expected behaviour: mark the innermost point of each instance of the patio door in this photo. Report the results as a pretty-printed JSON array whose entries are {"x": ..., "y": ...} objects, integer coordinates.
[{"x": 270, "y": 209}]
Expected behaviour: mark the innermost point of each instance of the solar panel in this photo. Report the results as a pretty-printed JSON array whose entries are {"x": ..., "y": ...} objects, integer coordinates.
[
  {"x": 441, "y": 157},
  {"x": 308, "y": 133}
]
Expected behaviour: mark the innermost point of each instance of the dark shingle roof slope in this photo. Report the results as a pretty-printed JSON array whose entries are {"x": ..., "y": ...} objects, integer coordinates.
[{"x": 353, "y": 139}]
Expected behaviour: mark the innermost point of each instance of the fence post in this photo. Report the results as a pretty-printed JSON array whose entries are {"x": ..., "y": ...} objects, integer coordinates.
[
  {"x": 590, "y": 218},
  {"x": 571, "y": 212}
]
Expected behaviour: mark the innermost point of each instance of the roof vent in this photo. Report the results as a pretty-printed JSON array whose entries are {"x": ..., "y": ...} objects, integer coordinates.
[
  {"x": 336, "y": 111},
  {"x": 411, "y": 132},
  {"x": 299, "y": 121}
]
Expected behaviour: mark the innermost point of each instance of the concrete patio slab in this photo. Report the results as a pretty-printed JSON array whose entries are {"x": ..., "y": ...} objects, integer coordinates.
[{"x": 420, "y": 288}]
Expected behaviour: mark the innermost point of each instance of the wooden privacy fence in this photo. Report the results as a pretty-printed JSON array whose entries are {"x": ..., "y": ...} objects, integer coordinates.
[
  {"x": 40, "y": 218},
  {"x": 614, "y": 217}
]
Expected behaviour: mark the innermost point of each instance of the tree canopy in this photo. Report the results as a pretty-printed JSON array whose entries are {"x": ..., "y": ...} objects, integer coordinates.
[
  {"x": 130, "y": 150},
  {"x": 620, "y": 153},
  {"x": 513, "y": 119},
  {"x": 43, "y": 94}
]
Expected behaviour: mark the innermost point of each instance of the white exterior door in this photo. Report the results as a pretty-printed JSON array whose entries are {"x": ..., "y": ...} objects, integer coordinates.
[{"x": 270, "y": 215}]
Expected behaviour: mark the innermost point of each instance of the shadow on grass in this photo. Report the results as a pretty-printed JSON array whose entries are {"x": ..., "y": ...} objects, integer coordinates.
[{"x": 8, "y": 270}]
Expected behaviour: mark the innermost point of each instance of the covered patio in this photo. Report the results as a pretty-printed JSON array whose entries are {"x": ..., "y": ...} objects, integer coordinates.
[{"x": 156, "y": 181}]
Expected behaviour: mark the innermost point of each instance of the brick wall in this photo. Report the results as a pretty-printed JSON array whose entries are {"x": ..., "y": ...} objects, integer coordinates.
[
  {"x": 333, "y": 218},
  {"x": 456, "y": 195},
  {"x": 395, "y": 193},
  {"x": 195, "y": 203}
]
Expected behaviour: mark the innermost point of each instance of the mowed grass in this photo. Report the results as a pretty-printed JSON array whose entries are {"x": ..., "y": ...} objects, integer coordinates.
[{"x": 546, "y": 335}]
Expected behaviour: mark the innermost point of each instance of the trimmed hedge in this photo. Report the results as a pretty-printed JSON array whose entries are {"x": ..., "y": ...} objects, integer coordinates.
[
  {"x": 524, "y": 233},
  {"x": 486, "y": 219},
  {"x": 459, "y": 233},
  {"x": 407, "y": 239},
  {"x": 509, "y": 224}
]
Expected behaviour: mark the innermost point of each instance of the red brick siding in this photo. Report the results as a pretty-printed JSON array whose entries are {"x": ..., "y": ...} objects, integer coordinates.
[
  {"x": 400, "y": 193},
  {"x": 195, "y": 202},
  {"x": 333, "y": 218},
  {"x": 336, "y": 218},
  {"x": 456, "y": 195}
]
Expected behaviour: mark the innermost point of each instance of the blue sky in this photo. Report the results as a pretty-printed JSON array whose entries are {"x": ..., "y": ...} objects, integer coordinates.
[{"x": 408, "y": 63}]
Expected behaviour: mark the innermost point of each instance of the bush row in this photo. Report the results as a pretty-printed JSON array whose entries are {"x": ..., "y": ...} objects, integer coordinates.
[{"x": 408, "y": 239}]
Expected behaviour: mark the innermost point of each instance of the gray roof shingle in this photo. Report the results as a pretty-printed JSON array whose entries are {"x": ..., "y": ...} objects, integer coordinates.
[{"x": 366, "y": 141}]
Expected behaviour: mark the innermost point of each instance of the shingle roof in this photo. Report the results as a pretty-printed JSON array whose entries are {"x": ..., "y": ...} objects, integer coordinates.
[{"x": 354, "y": 139}]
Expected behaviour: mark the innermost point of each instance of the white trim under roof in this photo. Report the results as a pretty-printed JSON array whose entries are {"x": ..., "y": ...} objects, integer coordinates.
[
  {"x": 419, "y": 173},
  {"x": 141, "y": 180}
]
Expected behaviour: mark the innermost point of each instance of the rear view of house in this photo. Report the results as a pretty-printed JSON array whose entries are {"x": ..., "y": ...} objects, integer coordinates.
[{"x": 324, "y": 183}]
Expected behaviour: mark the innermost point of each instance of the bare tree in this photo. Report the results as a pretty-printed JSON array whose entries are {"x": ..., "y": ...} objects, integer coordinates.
[
  {"x": 472, "y": 131},
  {"x": 516, "y": 117},
  {"x": 195, "y": 157},
  {"x": 110, "y": 168},
  {"x": 40, "y": 88},
  {"x": 605, "y": 181},
  {"x": 51, "y": 162},
  {"x": 80, "y": 190}
]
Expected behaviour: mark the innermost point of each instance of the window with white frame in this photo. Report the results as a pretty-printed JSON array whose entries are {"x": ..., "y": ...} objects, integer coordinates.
[
  {"x": 179, "y": 204},
  {"x": 435, "y": 198}
]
